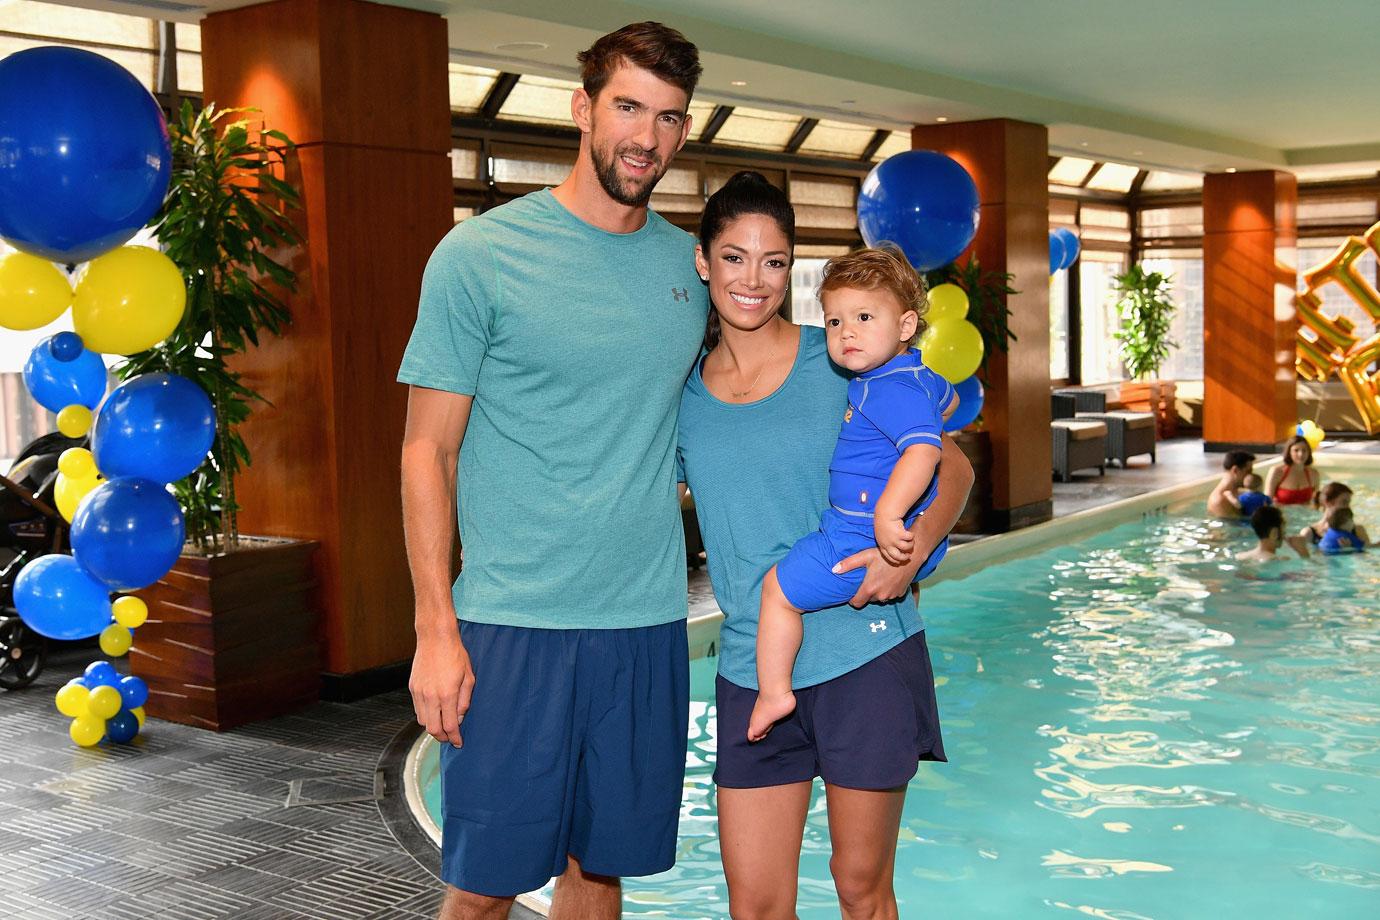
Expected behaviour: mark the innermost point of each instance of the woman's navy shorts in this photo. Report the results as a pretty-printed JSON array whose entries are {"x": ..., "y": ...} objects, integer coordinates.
[
  {"x": 867, "y": 729},
  {"x": 574, "y": 743}
]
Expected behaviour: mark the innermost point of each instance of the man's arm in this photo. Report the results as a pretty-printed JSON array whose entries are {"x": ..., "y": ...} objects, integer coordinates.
[
  {"x": 886, "y": 582},
  {"x": 442, "y": 678}
]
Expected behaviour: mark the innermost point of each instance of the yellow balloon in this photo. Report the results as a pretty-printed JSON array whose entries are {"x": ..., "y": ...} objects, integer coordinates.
[
  {"x": 130, "y": 612},
  {"x": 116, "y": 640},
  {"x": 77, "y": 463},
  {"x": 139, "y": 714},
  {"x": 952, "y": 349},
  {"x": 74, "y": 421},
  {"x": 68, "y": 493},
  {"x": 129, "y": 299},
  {"x": 71, "y": 700},
  {"x": 103, "y": 703},
  {"x": 33, "y": 291},
  {"x": 87, "y": 730},
  {"x": 947, "y": 301}
]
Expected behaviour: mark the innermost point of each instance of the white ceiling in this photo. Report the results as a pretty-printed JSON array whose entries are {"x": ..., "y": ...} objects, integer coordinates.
[{"x": 1170, "y": 83}]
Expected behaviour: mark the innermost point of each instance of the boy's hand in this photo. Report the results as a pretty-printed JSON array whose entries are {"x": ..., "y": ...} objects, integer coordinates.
[{"x": 894, "y": 540}]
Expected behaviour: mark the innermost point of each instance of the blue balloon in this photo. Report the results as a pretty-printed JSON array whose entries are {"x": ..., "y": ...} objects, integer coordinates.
[
  {"x": 57, "y": 599},
  {"x": 1056, "y": 251},
  {"x": 1071, "y": 246},
  {"x": 157, "y": 427},
  {"x": 922, "y": 201},
  {"x": 66, "y": 346},
  {"x": 84, "y": 154},
  {"x": 970, "y": 398},
  {"x": 56, "y": 384},
  {"x": 128, "y": 533},
  {"x": 134, "y": 691},
  {"x": 122, "y": 727},
  {"x": 101, "y": 674}
]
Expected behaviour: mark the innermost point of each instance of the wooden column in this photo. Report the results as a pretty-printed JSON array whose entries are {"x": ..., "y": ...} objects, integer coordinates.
[
  {"x": 1009, "y": 161},
  {"x": 362, "y": 89},
  {"x": 1249, "y": 241}
]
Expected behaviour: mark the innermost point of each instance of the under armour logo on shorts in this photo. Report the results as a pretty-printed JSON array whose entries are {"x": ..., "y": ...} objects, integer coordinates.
[
  {"x": 680, "y": 294},
  {"x": 879, "y": 626}
]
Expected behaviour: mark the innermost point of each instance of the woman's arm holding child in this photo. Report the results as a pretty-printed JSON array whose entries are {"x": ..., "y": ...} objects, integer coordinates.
[{"x": 904, "y": 487}]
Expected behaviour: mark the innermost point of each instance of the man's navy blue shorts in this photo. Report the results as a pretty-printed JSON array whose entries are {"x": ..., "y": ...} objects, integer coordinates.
[
  {"x": 574, "y": 743},
  {"x": 867, "y": 729}
]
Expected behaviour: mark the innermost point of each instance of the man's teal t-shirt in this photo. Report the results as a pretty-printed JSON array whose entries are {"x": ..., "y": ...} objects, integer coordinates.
[
  {"x": 575, "y": 343},
  {"x": 759, "y": 473}
]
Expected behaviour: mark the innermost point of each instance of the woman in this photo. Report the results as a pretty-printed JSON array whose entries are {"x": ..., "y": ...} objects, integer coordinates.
[
  {"x": 759, "y": 419},
  {"x": 1295, "y": 481},
  {"x": 1333, "y": 495}
]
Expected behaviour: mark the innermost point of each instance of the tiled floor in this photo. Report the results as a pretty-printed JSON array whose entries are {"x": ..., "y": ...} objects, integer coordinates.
[{"x": 191, "y": 824}]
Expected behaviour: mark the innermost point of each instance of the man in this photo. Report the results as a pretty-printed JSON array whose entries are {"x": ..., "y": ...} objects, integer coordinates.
[
  {"x": 553, "y": 338},
  {"x": 1236, "y": 466}
]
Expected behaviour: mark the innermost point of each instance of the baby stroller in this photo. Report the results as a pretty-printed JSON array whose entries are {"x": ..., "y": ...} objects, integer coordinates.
[{"x": 30, "y": 526}]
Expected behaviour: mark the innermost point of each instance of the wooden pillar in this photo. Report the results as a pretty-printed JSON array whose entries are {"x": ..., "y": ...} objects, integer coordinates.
[
  {"x": 1009, "y": 162},
  {"x": 362, "y": 89},
  {"x": 1249, "y": 324}
]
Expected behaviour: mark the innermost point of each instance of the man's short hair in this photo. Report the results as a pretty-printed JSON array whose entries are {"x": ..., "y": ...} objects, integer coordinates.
[
  {"x": 881, "y": 267},
  {"x": 1266, "y": 519},
  {"x": 649, "y": 45},
  {"x": 1236, "y": 458}
]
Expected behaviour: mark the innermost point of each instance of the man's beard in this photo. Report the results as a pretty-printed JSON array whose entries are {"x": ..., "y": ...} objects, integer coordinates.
[{"x": 620, "y": 190}]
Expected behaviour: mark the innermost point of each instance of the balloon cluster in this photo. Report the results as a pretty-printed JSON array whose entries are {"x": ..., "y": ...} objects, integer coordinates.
[
  {"x": 1064, "y": 248},
  {"x": 102, "y": 704},
  {"x": 87, "y": 163},
  {"x": 952, "y": 347},
  {"x": 1310, "y": 432},
  {"x": 924, "y": 202}
]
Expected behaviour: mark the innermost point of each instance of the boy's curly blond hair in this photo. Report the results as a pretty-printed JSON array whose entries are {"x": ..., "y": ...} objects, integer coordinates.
[{"x": 883, "y": 267}]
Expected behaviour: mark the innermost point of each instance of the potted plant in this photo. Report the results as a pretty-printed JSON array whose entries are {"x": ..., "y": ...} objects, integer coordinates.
[
  {"x": 1145, "y": 313},
  {"x": 987, "y": 292},
  {"x": 231, "y": 635}
]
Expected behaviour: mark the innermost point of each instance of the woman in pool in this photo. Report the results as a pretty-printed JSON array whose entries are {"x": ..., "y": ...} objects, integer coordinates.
[
  {"x": 1294, "y": 482},
  {"x": 759, "y": 419},
  {"x": 1332, "y": 496}
]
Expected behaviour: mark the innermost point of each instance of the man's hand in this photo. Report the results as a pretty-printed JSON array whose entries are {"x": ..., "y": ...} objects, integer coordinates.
[
  {"x": 442, "y": 683},
  {"x": 883, "y": 581},
  {"x": 893, "y": 539}
]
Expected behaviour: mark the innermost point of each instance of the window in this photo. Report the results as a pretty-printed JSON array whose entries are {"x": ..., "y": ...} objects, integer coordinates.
[
  {"x": 1100, "y": 359},
  {"x": 1070, "y": 171},
  {"x": 838, "y": 139},
  {"x": 539, "y": 99},
  {"x": 518, "y": 169},
  {"x": 1059, "y": 326},
  {"x": 129, "y": 41},
  {"x": 188, "y": 38},
  {"x": 470, "y": 86},
  {"x": 1114, "y": 177},
  {"x": 1185, "y": 268},
  {"x": 1159, "y": 181},
  {"x": 897, "y": 142},
  {"x": 757, "y": 128},
  {"x": 824, "y": 202},
  {"x": 806, "y": 274}
]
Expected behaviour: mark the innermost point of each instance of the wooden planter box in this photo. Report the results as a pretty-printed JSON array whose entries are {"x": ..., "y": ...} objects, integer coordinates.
[
  {"x": 977, "y": 447},
  {"x": 1155, "y": 396},
  {"x": 231, "y": 639}
]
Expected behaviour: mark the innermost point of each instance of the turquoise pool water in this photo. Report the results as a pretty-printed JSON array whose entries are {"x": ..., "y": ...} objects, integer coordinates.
[{"x": 1138, "y": 727}]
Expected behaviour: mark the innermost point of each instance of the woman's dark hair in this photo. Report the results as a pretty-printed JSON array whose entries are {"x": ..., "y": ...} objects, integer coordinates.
[
  {"x": 1298, "y": 439},
  {"x": 746, "y": 192},
  {"x": 1329, "y": 494}
]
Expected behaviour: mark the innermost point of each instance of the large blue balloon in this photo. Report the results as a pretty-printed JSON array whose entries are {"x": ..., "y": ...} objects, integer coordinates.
[
  {"x": 970, "y": 398},
  {"x": 1071, "y": 246},
  {"x": 922, "y": 201},
  {"x": 84, "y": 155},
  {"x": 156, "y": 426},
  {"x": 1056, "y": 251},
  {"x": 58, "y": 599},
  {"x": 128, "y": 533},
  {"x": 56, "y": 384}
]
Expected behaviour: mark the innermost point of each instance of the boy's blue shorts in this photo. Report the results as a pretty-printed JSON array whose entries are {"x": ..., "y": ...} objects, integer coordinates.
[
  {"x": 806, "y": 574},
  {"x": 574, "y": 743}
]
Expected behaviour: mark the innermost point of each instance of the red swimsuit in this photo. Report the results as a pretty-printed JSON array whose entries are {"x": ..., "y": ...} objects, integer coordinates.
[{"x": 1302, "y": 496}]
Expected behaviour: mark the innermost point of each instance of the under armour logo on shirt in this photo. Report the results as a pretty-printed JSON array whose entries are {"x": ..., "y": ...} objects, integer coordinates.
[
  {"x": 680, "y": 294},
  {"x": 879, "y": 626}
]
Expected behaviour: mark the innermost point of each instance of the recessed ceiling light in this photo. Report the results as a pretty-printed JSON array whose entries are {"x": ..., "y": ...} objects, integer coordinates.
[
  {"x": 1137, "y": 153},
  {"x": 1082, "y": 143},
  {"x": 738, "y": 83},
  {"x": 942, "y": 118},
  {"x": 521, "y": 46},
  {"x": 1231, "y": 169}
]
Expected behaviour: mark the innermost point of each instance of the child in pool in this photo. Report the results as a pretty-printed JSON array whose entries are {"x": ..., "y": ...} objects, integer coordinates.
[
  {"x": 1268, "y": 524},
  {"x": 882, "y": 474},
  {"x": 1343, "y": 534},
  {"x": 1251, "y": 497}
]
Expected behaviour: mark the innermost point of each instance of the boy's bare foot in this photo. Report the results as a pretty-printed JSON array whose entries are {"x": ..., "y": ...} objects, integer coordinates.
[{"x": 767, "y": 711}]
